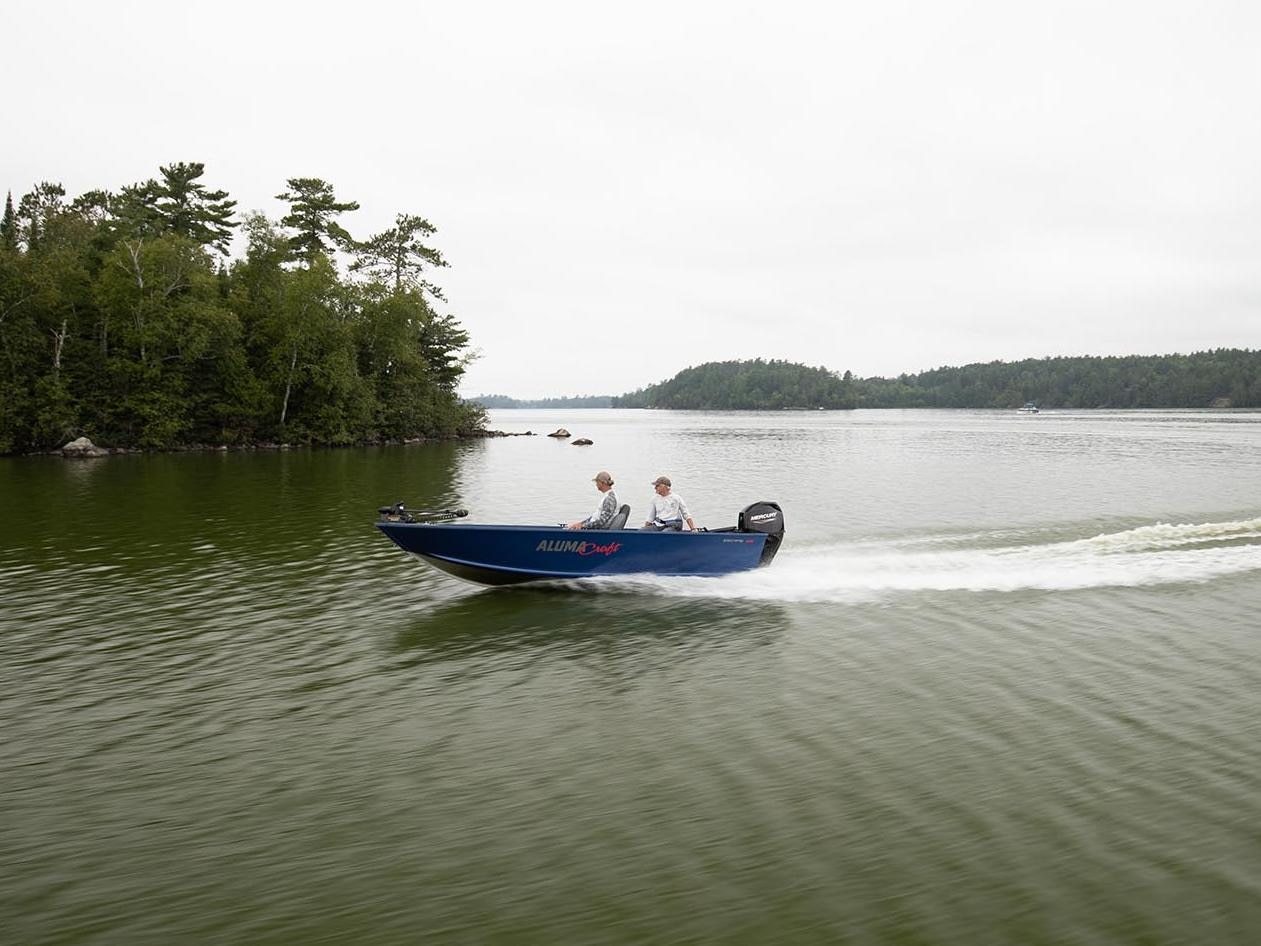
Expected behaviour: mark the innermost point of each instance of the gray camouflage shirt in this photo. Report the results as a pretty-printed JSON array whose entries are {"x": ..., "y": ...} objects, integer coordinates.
[{"x": 604, "y": 513}]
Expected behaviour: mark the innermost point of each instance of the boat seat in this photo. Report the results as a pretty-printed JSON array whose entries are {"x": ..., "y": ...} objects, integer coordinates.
[{"x": 619, "y": 521}]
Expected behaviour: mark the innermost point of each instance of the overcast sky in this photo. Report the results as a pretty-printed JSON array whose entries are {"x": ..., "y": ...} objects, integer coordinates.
[{"x": 623, "y": 191}]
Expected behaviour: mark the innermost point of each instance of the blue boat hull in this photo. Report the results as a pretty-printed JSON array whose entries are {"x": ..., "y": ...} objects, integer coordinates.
[{"x": 505, "y": 555}]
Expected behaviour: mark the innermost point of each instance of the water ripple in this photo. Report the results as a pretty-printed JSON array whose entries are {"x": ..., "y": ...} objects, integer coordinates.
[{"x": 226, "y": 722}]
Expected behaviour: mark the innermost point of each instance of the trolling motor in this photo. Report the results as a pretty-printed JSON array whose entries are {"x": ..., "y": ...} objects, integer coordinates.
[{"x": 400, "y": 513}]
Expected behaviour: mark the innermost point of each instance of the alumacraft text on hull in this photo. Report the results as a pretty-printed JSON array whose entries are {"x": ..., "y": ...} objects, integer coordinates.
[{"x": 506, "y": 555}]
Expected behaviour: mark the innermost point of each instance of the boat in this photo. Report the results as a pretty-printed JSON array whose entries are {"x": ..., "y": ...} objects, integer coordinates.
[
  {"x": 1029, "y": 408},
  {"x": 514, "y": 554}
]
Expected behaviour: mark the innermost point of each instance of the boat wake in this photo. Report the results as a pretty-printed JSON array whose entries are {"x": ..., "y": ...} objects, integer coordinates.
[{"x": 1008, "y": 561}]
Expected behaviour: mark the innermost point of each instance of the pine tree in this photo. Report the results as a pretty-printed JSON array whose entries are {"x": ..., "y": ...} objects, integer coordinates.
[
  {"x": 187, "y": 208},
  {"x": 399, "y": 255},
  {"x": 312, "y": 208},
  {"x": 9, "y": 225},
  {"x": 37, "y": 209}
]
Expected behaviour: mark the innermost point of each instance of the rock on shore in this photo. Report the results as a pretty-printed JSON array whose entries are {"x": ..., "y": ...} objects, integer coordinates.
[{"x": 83, "y": 447}]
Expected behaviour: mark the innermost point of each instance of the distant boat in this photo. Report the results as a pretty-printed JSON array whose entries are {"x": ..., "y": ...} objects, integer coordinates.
[{"x": 1029, "y": 408}]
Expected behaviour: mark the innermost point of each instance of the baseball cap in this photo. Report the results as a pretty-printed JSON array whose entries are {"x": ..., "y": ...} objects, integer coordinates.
[{"x": 661, "y": 479}]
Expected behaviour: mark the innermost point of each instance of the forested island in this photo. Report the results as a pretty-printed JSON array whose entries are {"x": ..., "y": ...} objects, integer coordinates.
[
  {"x": 755, "y": 385},
  {"x": 1221, "y": 378},
  {"x": 123, "y": 317}
]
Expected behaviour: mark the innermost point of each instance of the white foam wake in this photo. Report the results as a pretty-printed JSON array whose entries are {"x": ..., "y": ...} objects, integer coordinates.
[{"x": 1156, "y": 554}]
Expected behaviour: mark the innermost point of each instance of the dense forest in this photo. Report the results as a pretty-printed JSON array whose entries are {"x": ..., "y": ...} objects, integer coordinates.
[
  {"x": 123, "y": 318},
  {"x": 747, "y": 386},
  {"x": 1220, "y": 378}
]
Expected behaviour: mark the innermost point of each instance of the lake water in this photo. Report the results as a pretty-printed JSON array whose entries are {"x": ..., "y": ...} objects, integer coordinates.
[{"x": 1002, "y": 685}]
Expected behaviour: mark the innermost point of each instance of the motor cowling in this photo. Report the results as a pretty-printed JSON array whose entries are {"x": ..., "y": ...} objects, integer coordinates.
[{"x": 767, "y": 518}]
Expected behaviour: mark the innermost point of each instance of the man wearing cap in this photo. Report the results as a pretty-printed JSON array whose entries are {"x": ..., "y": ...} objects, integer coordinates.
[
  {"x": 667, "y": 511},
  {"x": 605, "y": 511}
]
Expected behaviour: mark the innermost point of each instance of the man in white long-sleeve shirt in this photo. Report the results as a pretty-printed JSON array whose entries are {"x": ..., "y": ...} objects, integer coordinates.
[
  {"x": 605, "y": 511},
  {"x": 667, "y": 511}
]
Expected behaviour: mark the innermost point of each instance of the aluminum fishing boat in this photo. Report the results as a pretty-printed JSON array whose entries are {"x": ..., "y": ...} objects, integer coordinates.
[{"x": 507, "y": 555}]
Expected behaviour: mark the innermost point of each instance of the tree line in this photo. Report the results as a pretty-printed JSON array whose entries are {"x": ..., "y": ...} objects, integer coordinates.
[
  {"x": 755, "y": 385},
  {"x": 123, "y": 318},
  {"x": 504, "y": 402},
  {"x": 1219, "y": 378},
  {"x": 1224, "y": 377}
]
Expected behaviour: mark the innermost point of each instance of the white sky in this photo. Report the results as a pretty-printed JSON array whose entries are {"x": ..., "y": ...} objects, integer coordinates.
[{"x": 626, "y": 191}]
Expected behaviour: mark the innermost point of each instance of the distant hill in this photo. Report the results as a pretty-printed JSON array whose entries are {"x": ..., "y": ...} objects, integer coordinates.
[
  {"x": 502, "y": 401},
  {"x": 747, "y": 386},
  {"x": 1221, "y": 378}
]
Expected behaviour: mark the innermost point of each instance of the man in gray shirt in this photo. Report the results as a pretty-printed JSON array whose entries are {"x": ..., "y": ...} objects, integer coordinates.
[{"x": 602, "y": 518}]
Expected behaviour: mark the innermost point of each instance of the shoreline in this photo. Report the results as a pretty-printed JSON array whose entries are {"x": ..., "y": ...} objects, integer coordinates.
[{"x": 81, "y": 450}]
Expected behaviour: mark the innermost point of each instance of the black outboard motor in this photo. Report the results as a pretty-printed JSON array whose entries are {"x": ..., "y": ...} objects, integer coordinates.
[{"x": 768, "y": 518}]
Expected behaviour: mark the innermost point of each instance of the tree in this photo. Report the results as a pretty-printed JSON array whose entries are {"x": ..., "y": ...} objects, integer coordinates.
[
  {"x": 9, "y": 225},
  {"x": 95, "y": 207},
  {"x": 135, "y": 210},
  {"x": 398, "y": 255},
  {"x": 185, "y": 207},
  {"x": 177, "y": 204},
  {"x": 36, "y": 209},
  {"x": 312, "y": 207}
]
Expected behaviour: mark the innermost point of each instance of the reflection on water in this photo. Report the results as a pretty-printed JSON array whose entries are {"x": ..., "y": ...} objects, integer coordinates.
[
  {"x": 574, "y": 623},
  {"x": 1000, "y": 685}
]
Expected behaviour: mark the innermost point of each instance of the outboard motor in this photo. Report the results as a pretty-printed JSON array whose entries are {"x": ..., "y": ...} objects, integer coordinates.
[{"x": 764, "y": 517}]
